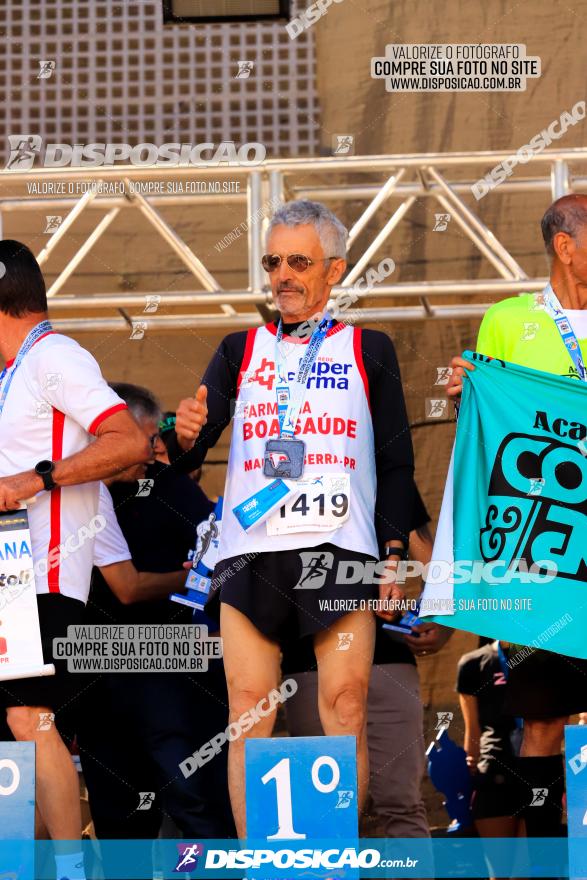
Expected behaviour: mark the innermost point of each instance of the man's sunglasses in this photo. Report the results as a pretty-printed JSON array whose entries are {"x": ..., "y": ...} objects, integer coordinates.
[{"x": 297, "y": 262}]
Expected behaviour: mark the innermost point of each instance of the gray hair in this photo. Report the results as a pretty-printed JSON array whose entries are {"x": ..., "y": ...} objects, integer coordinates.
[
  {"x": 568, "y": 214},
  {"x": 141, "y": 402},
  {"x": 331, "y": 232}
]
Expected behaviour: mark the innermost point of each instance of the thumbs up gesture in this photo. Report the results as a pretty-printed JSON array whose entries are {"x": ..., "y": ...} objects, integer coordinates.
[{"x": 190, "y": 418}]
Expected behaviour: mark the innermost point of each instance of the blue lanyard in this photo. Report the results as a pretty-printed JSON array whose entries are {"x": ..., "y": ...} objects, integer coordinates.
[
  {"x": 289, "y": 403},
  {"x": 35, "y": 334},
  {"x": 563, "y": 325}
]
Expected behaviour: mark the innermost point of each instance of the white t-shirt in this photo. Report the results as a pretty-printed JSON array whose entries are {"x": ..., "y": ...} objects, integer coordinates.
[
  {"x": 57, "y": 399},
  {"x": 578, "y": 321},
  {"x": 110, "y": 544}
]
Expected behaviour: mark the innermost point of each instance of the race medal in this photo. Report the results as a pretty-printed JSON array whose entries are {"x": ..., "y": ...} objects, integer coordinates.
[{"x": 284, "y": 459}]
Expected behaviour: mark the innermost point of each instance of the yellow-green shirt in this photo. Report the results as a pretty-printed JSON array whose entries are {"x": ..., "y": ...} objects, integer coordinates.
[{"x": 518, "y": 331}]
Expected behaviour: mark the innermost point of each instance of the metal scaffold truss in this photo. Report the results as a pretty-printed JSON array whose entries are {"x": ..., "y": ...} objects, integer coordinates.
[{"x": 384, "y": 203}]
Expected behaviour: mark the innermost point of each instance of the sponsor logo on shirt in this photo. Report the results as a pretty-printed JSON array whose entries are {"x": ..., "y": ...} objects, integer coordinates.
[{"x": 324, "y": 374}]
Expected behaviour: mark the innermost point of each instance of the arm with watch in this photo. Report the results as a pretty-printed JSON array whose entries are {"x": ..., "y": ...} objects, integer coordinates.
[
  {"x": 389, "y": 591},
  {"x": 119, "y": 444}
]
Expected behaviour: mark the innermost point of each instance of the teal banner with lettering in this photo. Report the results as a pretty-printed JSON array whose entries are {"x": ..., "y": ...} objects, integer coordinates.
[{"x": 510, "y": 557}]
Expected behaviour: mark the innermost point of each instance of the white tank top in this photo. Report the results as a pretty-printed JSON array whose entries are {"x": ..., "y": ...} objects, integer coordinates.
[{"x": 334, "y": 423}]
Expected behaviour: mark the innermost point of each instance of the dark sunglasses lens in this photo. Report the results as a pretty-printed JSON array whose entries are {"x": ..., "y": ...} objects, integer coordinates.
[
  {"x": 298, "y": 262},
  {"x": 271, "y": 262}
]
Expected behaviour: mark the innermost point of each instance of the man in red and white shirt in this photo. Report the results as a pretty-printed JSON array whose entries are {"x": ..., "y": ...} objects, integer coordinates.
[{"x": 53, "y": 400}]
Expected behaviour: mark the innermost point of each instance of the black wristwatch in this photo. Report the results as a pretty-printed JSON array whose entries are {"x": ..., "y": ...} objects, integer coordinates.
[
  {"x": 45, "y": 470},
  {"x": 402, "y": 552}
]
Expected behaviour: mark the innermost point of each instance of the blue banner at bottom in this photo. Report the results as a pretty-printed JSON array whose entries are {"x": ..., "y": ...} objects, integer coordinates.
[{"x": 269, "y": 860}]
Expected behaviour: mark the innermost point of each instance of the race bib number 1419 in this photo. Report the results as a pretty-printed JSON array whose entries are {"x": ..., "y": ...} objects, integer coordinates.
[{"x": 322, "y": 504}]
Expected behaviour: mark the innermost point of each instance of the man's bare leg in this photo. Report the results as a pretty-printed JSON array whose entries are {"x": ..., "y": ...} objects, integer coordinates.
[
  {"x": 251, "y": 664},
  {"x": 343, "y": 685},
  {"x": 57, "y": 785}
]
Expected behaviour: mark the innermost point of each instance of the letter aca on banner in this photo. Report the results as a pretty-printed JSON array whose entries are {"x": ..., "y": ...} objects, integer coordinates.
[{"x": 21, "y": 652}]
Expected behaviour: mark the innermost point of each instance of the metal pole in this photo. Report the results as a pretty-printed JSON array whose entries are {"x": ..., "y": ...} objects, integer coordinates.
[
  {"x": 559, "y": 179},
  {"x": 378, "y": 241},
  {"x": 449, "y": 207},
  {"x": 276, "y": 188},
  {"x": 81, "y": 253},
  {"x": 89, "y": 196},
  {"x": 179, "y": 246},
  {"x": 384, "y": 193},
  {"x": 351, "y": 192},
  {"x": 129, "y": 300},
  {"x": 203, "y": 323},
  {"x": 480, "y": 228},
  {"x": 254, "y": 212},
  {"x": 494, "y": 286},
  {"x": 348, "y": 164}
]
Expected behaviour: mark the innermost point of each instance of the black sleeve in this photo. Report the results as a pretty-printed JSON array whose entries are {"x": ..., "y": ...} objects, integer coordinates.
[
  {"x": 220, "y": 379},
  {"x": 394, "y": 456},
  {"x": 468, "y": 675}
]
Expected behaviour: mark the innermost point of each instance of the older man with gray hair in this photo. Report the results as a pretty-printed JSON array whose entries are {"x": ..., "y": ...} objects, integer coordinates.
[{"x": 319, "y": 485}]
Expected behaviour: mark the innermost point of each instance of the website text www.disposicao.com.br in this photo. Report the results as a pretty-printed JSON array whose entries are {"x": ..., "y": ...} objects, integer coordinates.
[{"x": 331, "y": 858}]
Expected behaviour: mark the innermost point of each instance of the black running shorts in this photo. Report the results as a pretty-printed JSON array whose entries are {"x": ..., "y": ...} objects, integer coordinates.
[
  {"x": 290, "y": 594},
  {"x": 56, "y": 692}
]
